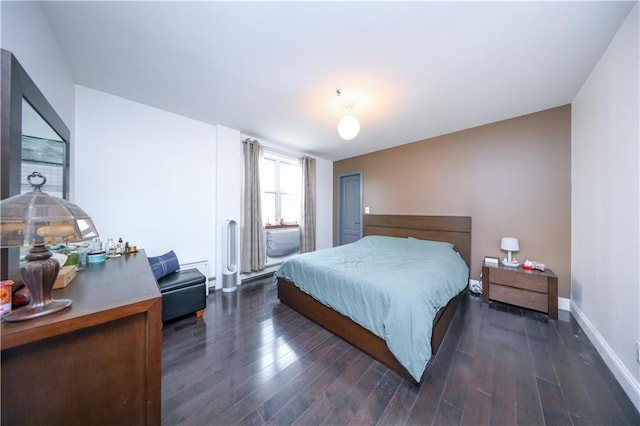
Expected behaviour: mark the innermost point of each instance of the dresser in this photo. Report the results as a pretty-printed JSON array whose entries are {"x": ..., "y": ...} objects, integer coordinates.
[
  {"x": 97, "y": 362},
  {"x": 537, "y": 290}
]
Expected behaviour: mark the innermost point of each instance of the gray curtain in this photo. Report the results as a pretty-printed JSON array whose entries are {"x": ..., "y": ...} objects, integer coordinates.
[
  {"x": 308, "y": 220},
  {"x": 253, "y": 246}
]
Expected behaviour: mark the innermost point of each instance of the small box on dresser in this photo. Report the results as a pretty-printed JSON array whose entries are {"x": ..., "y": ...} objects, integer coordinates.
[{"x": 531, "y": 289}]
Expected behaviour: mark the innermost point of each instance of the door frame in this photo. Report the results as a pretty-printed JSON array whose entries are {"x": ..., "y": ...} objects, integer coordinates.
[{"x": 360, "y": 201}]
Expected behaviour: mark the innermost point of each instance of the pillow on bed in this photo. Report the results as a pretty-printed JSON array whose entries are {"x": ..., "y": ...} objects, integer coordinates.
[
  {"x": 431, "y": 241},
  {"x": 164, "y": 265}
]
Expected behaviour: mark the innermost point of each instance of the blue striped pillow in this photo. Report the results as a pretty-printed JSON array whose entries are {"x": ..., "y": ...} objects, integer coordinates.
[{"x": 164, "y": 265}]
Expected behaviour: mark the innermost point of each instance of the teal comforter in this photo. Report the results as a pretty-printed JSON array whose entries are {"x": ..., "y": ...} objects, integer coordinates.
[{"x": 391, "y": 286}]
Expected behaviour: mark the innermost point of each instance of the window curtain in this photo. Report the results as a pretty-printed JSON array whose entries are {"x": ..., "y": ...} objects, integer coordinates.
[
  {"x": 253, "y": 245},
  {"x": 308, "y": 216}
]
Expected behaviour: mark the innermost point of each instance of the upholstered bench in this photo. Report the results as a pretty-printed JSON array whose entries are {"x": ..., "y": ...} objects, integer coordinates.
[{"x": 183, "y": 292}]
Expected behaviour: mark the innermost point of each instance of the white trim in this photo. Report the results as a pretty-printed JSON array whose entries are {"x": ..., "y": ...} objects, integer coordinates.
[
  {"x": 630, "y": 385},
  {"x": 564, "y": 304}
]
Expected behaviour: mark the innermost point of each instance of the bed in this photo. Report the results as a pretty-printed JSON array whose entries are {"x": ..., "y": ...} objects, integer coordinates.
[{"x": 455, "y": 230}]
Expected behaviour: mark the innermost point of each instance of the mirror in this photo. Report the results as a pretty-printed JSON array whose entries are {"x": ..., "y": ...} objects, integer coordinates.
[
  {"x": 42, "y": 151},
  {"x": 33, "y": 137}
]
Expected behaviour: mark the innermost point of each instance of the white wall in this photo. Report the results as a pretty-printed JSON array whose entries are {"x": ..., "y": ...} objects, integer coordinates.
[
  {"x": 228, "y": 189},
  {"x": 27, "y": 34},
  {"x": 146, "y": 175},
  {"x": 605, "y": 240}
]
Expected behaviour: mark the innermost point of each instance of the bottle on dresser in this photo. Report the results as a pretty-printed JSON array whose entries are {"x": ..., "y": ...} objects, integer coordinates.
[{"x": 110, "y": 248}]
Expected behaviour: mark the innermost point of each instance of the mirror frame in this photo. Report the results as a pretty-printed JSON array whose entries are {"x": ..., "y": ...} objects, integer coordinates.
[{"x": 16, "y": 85}]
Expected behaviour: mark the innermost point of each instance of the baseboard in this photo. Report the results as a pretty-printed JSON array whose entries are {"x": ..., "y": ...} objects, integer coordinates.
[
  {"x": 630, "y": 385},
  {"x": 564, "y": 304}
]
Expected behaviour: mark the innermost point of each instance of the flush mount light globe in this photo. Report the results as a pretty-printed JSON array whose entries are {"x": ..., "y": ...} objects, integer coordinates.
[{"x": 348, "y": 127}]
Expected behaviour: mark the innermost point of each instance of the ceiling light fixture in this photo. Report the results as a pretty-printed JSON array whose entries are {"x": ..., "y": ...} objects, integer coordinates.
[{"x": 349, "y": 126}]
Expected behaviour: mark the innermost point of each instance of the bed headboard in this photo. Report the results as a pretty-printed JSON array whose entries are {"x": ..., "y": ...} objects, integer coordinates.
[{"x": 453, "y": 229}]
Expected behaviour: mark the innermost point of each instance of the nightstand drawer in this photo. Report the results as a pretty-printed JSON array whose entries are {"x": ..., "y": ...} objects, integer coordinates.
[
  {"x": 520, "y": 279},
  {"x": 515, "y": 296}
]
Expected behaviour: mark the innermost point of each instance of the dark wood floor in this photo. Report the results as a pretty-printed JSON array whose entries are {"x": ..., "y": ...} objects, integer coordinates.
[{"x": 252, "y": 360}]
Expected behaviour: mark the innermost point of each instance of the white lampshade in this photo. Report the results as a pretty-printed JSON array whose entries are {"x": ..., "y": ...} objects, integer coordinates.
[
  {"x": 348, "y": 127},
  {"x": 509, "y": 244}
]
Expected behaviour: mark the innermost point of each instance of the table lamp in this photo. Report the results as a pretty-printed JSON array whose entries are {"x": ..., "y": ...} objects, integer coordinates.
[
  {"x": 510, "y": 244},
  {"x": 35, "y": 219}
]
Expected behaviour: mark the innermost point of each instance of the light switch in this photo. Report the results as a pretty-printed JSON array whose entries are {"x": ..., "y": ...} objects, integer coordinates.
[{"x": 366, "y": 210}]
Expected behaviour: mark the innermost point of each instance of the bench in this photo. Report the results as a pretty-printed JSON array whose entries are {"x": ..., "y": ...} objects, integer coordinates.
[{"x": 183, "y": 293}]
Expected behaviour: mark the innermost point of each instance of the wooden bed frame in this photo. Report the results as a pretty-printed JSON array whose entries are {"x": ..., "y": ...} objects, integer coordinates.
[{"x": 453, "y": 229}]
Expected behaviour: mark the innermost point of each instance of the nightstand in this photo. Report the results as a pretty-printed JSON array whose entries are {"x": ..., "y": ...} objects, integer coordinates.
[{"x": 535, "y": 290}]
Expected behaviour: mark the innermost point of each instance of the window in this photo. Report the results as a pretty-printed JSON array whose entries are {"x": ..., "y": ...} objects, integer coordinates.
[{"x": 280, "y": 182}]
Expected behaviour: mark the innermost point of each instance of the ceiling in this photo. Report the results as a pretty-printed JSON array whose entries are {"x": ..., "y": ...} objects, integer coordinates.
[{"x": 270, "y": 69}]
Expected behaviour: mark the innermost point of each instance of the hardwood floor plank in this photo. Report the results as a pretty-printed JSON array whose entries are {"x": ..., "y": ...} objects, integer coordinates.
[
  {"x": 503, "y": 399},
  {"x": 503, "y": 329},
  {"x": 482, "y": 367},
  {"x": 400, "y": 405},
  {"x": 448, "y": 414},
  {"x": 477, "y": 408},
  {"x": 235, "y": 379},
  {"x": 528, "y": 407},
  {"x": 297, "y": 385},
  {"x": 252, "y": 360},
  {"x": 303, "y": 400},
  {"x": 542, "y": 363},
  {"x": 371, "y": 410},
  {"x": 459, "y": 380},
  {"x": 219, "y": 369},
  {"x": 575, "y": 395},
  {"x": 319, "y": 409},
  {"x": 531, "y": 320},
  {"x": 581, "y": 421},
  {"x": 350, "y": 402},
  {"x": 251, "y": 419},
  {"x": 240, "y": 399},
  {"x": 557, "y": 350},
  {"x": 189, "y": 372},
  {"x": 554, "y": 408},
  {"x": 470, "y": 310}
]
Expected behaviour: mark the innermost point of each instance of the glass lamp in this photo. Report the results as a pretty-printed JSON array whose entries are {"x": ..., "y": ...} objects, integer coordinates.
[
  {"x": 33, "y": 220},
  {"x": 509, "y": 244},
  {"x": 348, "y": 127}
]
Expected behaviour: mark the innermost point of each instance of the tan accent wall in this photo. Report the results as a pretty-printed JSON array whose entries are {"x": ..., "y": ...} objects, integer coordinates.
[{"x": 512, "y": 177}]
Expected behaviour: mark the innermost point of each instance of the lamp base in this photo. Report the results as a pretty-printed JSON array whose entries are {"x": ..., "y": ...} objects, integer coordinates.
[
  {"x": 39, "y": 275},
  {"x": 37, "y": 311},
  {"x": 510, "y": 264}
]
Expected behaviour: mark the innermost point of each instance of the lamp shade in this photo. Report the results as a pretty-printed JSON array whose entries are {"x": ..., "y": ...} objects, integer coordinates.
[
  {"x": 348, "y": 127},
  {"x": 38, "y": 218},
  {"x": 509, "y": 244}
]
